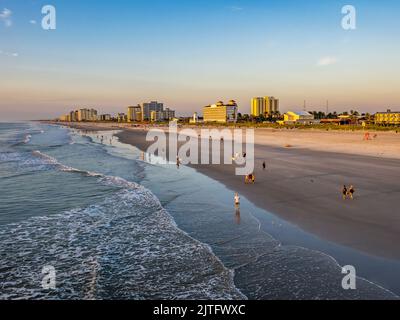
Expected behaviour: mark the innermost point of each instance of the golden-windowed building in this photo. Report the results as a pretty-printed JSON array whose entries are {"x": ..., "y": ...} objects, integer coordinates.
[
  {"x": 389, "y": 117},
  {"x": 220, "y": 112}
]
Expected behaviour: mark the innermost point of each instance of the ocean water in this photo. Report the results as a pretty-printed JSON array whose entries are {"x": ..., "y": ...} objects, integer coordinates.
[{"x": 116, "y": 227}]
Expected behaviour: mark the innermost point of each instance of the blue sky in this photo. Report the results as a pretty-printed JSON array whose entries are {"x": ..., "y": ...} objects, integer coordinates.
[{"x": 111, "y": 54}]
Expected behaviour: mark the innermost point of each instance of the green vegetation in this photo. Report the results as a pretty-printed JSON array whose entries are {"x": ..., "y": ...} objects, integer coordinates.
[{"x": 326, "y": 127}]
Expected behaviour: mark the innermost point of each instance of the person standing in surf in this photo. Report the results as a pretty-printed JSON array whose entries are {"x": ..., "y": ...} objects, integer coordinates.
[{"x": 344, "y": 192}]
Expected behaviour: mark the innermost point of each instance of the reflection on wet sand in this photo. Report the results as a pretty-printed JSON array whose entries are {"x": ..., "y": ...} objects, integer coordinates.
[{"x": 237, "y": 214}]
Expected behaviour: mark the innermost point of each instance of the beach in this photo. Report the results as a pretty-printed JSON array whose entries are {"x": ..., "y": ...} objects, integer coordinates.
[
  {"x": 157, "y": 231},
  {"x": 303, "y": 186},
  {"x": 302, "y": 183}
]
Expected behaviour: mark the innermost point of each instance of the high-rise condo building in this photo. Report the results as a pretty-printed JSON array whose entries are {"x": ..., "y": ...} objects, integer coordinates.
[
  {"x": 257, "y": 106},
  {"x": 151, "y": 111},
  {"x": 86, "y": 115},
  {"x": 264, "y": 106},
  {"x": 135, "y": 113},
  {"x": 148, "y": 107},
  {"x": 73, "y": 115}
]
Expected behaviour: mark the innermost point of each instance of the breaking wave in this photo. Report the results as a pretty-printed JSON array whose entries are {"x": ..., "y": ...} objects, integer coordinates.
[{"x": 124, "y": 247}]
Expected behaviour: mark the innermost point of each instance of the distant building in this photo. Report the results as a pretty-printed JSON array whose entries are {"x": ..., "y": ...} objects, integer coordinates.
[
  {"x": 82, "y": 115},
  {"x": 105, "y": 117},
  {"x": 257, "y": 106},
  {"x": 264, "y": 106},
  {"x": 168, "y": 114},
  {"x": 65, "y": 118},
  {"x": 221, "y": 112},
  {"x": 298, "y": 117},
  {"x": 73, "y": 116},
  {"x": 122, "y": 117},
  {"x": 148, "y": 107},
  {"x": 86, "y": 115},
  {"x": 194, "y": 119},
  {"x": 156, "y": 116},
  {"x": 161, "y": 114},
  {"x": 387, "y": 118},
  {"x": 134, "y": 113}
]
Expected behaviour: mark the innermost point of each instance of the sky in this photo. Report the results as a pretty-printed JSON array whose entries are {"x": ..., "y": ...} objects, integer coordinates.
[{"x": 188, "y": 54}]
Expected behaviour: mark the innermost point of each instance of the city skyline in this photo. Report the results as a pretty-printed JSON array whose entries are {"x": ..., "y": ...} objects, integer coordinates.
[{"x": 109, "y": 57}]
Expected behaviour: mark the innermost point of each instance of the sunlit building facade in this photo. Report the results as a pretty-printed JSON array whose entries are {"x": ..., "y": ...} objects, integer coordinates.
[
  {"x": 134, "y": 113},
  {"x": 220, "y": 112},
  {"x": 264, "y": 106},
  {"x": 86, "y": 115},
  {"x": 298, "y": 117},
  {"x": 387, "y": 118}
]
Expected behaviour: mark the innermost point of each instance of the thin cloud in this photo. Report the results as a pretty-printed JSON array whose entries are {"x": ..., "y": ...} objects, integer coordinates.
[
  {"x": 9, "y": 54},
  {"x": 5, "y": 16},
  {"x": 32, "y": 21},
  {"x": 235, "y": 8},
  {"x": 327, "y": 61}
]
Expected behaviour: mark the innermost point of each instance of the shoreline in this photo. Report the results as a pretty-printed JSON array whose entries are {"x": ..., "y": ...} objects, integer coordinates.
[
  {"x": 302, "y": 186},
  {"x": 386, "y": 145}
]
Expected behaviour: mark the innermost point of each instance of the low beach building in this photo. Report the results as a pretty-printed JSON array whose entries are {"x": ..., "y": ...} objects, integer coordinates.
[
  {"x": 387, "y": 118},
  {"x": 122, "y": 117},
  {"x": 195, "y": 119},
  {"x": 105, "y": 117},
  {"x": 220, "y": 112},
  {"x": 298, "y": 117}
]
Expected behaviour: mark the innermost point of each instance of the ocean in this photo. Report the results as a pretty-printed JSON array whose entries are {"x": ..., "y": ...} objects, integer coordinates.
[{"x": 114, "y": 226}]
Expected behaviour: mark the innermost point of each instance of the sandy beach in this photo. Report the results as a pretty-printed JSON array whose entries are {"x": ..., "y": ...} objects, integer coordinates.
[{"x": 302, "y": 183}]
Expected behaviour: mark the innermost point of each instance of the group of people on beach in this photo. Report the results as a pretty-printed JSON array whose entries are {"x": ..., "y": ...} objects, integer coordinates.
[
  {"x": 367, "y": 136},
  {"x": 348, "y": 192},
  {"x": 101, "y": 138},
  {"x": 251, "y": 178}
]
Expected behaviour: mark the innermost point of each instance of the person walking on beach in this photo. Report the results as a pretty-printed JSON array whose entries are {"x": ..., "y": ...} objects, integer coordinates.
[
  {"x": 351, "y": 192},
  {"x": 344, "y": 192},
  {"x": 237, "y": 199},
  {"x": 264, "y": 165}
]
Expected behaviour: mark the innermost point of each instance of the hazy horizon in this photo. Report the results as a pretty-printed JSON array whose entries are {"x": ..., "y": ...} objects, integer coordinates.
[{"x": 190, "y": 54}]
